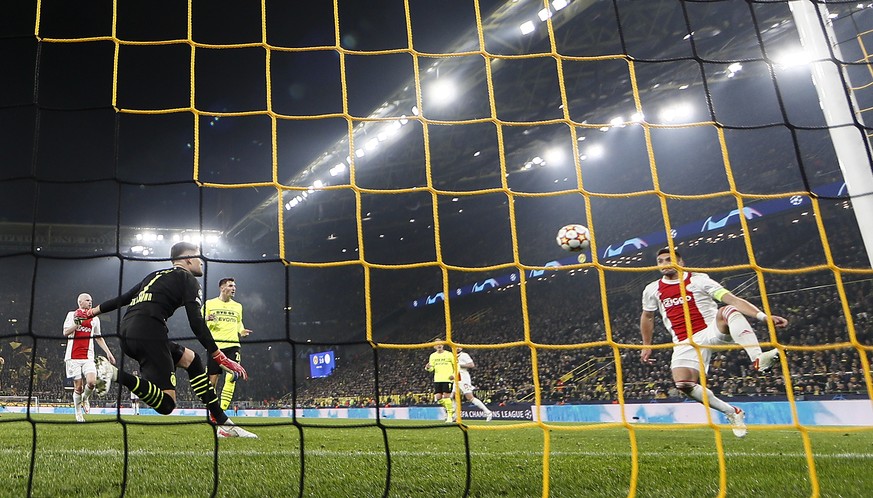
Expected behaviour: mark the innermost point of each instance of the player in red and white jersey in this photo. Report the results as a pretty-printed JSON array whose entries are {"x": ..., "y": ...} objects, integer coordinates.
[
  {"x": 465, "y": 382},
  {"x": 79, "y": 358},
  {"x": 709, "y": 326}
]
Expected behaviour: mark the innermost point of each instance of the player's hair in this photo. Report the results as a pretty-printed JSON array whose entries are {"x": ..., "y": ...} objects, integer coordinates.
[
  {"x": 181, "y": 248},
  {"x": 666, "y": 250},
  {"x": 224, "y": 281}
]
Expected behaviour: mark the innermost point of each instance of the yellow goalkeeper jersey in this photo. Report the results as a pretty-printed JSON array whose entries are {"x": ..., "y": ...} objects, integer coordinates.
[
  {"x": 228, "y": 322},
  {"x": 443, "y": 366}
]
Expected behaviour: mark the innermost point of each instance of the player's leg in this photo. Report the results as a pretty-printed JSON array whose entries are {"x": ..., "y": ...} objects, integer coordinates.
[
  {"x": 75, "y": 372},
  {"x": 191, "y": 362},
  {"x": 89, "y": 369},
  {"x": 157, "y": 386},
  {"x": 687, "y": 380},
  {"x": 229, "y": 385},
  {"x": 731, "y": 322},
  {"x": 77, "y": 400},
  {"x": 478, "y": 404},
  {"x": 466, "y": 385}
]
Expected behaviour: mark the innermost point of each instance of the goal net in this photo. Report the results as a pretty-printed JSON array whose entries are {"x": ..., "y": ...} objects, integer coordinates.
[{"x": 381, "y": 178}]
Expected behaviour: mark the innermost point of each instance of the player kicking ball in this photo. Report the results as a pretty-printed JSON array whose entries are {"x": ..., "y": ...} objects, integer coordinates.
[
  {"x": 710, "y": 326},
  {"x": 144, "y": 337}
]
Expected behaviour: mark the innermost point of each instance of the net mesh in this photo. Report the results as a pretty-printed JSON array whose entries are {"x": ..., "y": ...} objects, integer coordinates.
[{"x": 129, "y": 180}]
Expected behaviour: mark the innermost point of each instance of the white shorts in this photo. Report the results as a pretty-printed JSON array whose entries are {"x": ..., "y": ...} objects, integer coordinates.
[
  {"x": 685, "y": 355},
  {"x": 465, "y": 383},
  {"x": 76, "y": 369}
]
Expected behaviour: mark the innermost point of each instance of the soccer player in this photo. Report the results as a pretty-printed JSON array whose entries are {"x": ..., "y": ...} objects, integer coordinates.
[
  {"x": 465, "y": 382},
  {"x": 79, "y": 358},
  {"x": 224, "y": 317},
  {"x": 144, "y": 337},
  {"x": 710, "y": 325},
  {"x": 442, "y": 364}
]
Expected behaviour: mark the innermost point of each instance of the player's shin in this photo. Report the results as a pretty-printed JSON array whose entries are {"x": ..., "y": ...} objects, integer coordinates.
[
  {"x": 741, "y": 331},
  {"x": 479, "y": 404},
  {"x": 203, "y": 389},
  {"x": 698, "y": 392},
  {"x": 227, "y": 391}
]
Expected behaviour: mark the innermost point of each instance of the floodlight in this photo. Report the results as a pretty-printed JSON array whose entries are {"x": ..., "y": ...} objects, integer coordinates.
[
  {"x": 442, "y": 91},
  {"x": 527, "y": 28}
]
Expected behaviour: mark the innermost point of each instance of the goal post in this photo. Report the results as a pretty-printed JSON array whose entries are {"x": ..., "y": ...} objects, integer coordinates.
[{"x": 840, "y": 108}]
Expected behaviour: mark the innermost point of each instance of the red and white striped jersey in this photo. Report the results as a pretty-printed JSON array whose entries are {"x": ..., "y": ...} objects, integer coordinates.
[
  {"x": 665, "y": 296},
  {"x": 81, "y": 345}
]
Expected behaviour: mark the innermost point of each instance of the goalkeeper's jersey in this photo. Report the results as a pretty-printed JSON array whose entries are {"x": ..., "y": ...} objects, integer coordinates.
[
  {"x": 443, "y": 366},
  {"x": 228, "y": 322}
]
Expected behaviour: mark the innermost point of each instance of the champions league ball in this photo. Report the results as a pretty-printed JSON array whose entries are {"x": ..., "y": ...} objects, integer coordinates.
[{"x": 574, "y": 238}]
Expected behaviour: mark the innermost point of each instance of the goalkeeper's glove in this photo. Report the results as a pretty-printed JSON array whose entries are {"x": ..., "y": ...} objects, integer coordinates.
[{"x": 229, "y": 365}]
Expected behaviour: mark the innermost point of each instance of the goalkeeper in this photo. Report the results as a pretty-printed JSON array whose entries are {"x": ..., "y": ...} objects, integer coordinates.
[
  {"x": 224, "y": 317},
  {"x": 144, "y": 337}
]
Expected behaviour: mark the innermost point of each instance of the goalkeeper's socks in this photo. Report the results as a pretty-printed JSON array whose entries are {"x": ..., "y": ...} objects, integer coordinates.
[
  {"x": 227, "y": 390},
  {"x": 203, "y": 389},
  {"x": 149, "y": 393}
]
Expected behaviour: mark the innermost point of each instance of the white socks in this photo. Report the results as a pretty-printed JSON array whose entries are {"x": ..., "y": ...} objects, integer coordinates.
[
  {"x": 742, "y": 333},
  {"x": 77, "y": 401},
  {"x": 480, "y": 405},
  {"x": 697, "y": 394},
  {"x": 87, "y": 394}
]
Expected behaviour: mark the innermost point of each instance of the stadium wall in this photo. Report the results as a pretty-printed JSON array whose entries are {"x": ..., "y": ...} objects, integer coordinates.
[{"x": 821, "y": 413}]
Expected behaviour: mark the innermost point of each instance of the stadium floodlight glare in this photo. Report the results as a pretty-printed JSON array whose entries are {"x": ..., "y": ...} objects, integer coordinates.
[
  {"x": 137, "y": 249},
  {"x": 735, "y": 67},
  {"x": 676, "y": 112},
  {"x": 793, "y": 57},
  {"x": 637, "y": 117},
  {"x": 360, "y": 153},
  {"x": 138, "y": 236},
  {"x": 442, "y": 91},
  {"x": 372, "y": 144},
  {"x": 318, "y": 184},
  {"x": 560, "y": 4},
  {"x": 544, "y": 14},
  {"x": 338, "y": 169},
  {"x": 415, "y": 110},
  {"x": 555, "y": 155},
  {"x": 617, "y": 121},
  {"x": 527, "y": 27},
  {"x": 595, "y": 151}
]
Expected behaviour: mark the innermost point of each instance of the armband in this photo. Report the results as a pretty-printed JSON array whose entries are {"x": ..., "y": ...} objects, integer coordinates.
[{"x": 761, "y": 316}]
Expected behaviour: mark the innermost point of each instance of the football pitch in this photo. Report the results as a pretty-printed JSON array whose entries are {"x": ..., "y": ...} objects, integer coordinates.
[{"x": 178, "y": 456}]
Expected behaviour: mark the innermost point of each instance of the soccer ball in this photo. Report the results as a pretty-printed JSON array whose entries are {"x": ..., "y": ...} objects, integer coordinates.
[{"x": 574, "y": 238}]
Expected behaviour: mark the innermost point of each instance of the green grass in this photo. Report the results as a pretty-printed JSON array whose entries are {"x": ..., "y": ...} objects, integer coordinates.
[{"x": 178, "y": 459}]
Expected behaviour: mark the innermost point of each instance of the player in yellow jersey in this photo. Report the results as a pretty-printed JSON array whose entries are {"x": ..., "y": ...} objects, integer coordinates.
[
  {"x": 224, "y": 317},
  {"x": 442, "y": 364}
]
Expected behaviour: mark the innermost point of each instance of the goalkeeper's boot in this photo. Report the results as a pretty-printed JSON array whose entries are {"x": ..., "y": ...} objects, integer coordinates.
[
  {"x": 738, "y": 422},
  {"x": 765, "y": 360},
  {"x": 229, "y": 429},
  {"x": 107, "y": 373}
]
